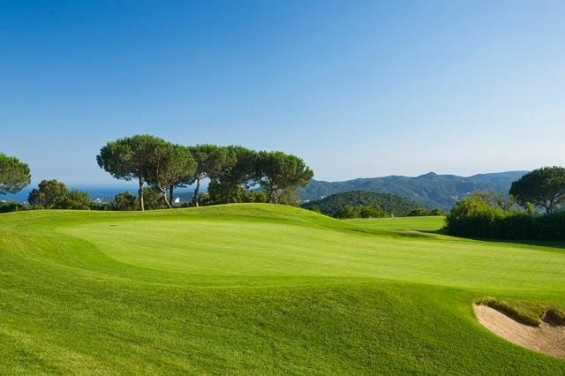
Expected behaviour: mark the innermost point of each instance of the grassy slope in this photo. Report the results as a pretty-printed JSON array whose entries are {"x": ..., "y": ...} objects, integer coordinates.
[{"x": 258, "y": 289}]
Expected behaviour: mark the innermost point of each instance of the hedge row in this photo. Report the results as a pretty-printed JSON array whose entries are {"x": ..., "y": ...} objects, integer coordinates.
[{"x": 471, "y": 217}]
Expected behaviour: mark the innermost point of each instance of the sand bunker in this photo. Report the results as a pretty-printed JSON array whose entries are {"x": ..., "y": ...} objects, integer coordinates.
[{"x": 545, "y": 338}]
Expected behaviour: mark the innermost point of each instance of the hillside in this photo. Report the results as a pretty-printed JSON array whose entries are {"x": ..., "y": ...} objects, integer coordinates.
[
  {"x": 430, "y": 190},
  {"x": 260, "y": 289},
  {"x": 389, "y": 203}
]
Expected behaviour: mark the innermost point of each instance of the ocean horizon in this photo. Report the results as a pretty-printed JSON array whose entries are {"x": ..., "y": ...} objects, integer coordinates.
[{"x": 102, "y": 193}]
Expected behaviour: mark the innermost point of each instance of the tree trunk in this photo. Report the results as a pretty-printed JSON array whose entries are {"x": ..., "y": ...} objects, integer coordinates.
[
  {"x": 196, "y": 191},
  {"x": 171, "y": 189},
  {"x": 164, "y": 193},
  {"x": 141, "y": 204}
]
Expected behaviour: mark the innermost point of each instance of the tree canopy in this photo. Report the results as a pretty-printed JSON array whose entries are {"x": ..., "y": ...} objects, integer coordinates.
[
  {"x": 52, "y": 194},
  {"x": 543, "y": 187},
  {"x": 239, "y": 170},
  {"x": 236, "y": 173},
  {"x": 281, "y": 174},
  {"x": 210, "y": 160},
  {"x": 14, "y": 175},
  {"x": 170, "y": 166},
  {"x": 130, "y": 158}
]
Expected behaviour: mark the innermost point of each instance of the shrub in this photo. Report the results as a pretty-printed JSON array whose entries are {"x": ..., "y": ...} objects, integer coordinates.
[
  {"x": 10, "y": 206},
  {"x": 479, "y": 216},
  {"x": 124, "y": 201},
  {"x": 52, "y": 194}
]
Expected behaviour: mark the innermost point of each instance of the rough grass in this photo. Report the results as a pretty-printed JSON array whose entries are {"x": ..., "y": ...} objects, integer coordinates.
[{"x": 259, "y": 289}]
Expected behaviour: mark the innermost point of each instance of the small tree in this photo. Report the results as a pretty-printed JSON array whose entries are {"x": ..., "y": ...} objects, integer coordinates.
[
  {"x": 170, "y": 166},
  {"x": 76, "y": 200},
  {"x": 477, "y": 215},
  {"x": 130, "y": 158},
  {"x": 544, "y": 187},
  {"x": 14, "y": 175},
  {"x": 124, "y": 201},
  {"x": 282, "y": 173},
  {"x": 50, "y": 194}
]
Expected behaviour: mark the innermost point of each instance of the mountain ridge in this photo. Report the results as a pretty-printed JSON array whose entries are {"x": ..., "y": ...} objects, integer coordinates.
[{"x": 430, "y": 190}]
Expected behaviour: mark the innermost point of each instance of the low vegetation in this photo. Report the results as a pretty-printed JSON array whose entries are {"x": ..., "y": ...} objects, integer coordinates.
[
  {"x": 485, "y": 215},
  {"x": 524, "y": 313}
]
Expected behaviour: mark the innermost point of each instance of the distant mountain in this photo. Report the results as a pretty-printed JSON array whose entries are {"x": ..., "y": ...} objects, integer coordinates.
[{"x": 430, "y": 190}]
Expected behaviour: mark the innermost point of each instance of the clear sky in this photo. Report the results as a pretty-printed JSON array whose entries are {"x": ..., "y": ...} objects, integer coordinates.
[{"x": 355, "y": 88}]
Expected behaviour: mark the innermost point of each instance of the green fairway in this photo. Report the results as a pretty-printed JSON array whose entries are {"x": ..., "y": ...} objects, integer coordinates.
[{"x": 260, "y": 289}]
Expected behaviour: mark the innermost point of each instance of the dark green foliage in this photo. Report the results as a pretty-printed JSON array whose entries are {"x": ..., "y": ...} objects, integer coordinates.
[
  {"x": 171, "y": 165},
  {"x": 76, "y": 200},
  {"x": 10, "y": 206},
  {"x": 232, "y": 170},
  {"x": 52, "y": 194},
  {"x": 210, "y": 160},
  {"x": 130, "y": 157},
  {"x": 238, "y": 173},
  {"x": 422, "y": 212},
  {"x": 124, "y": 201},
  {"x": 14, "y": 175},
  {"x": 353, "y": 212},
  {"x": 429, "y": 190},
  {"x": 481, "y": 217},
  {"x": 549, "y": 226},
  {"x": 544, "y": 187},
  {"x": 153, "y": 199},
  {"x": 474, "y": 216},
  {"x": 350, "y": 204},
  {"x": 101, "y": 206},
  {"x": 554, "y": 317},
  {"x": 281, "y": 174},
  {"x": 216, "y": 193}
]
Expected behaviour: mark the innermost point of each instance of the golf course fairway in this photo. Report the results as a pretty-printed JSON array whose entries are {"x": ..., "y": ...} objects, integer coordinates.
[{"x": 261, "y": 289}]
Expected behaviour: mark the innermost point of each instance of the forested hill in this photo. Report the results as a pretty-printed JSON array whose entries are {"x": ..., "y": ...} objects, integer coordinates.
[
  {"x": 430, "y": 190},
  {"x": 388, "y": 204}
]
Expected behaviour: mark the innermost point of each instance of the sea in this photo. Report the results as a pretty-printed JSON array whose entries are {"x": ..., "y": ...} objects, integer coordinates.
[{"x": 99, "y": 193}]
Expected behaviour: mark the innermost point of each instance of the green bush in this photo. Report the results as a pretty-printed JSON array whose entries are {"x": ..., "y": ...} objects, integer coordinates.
[
  {"x": 125, "y": 201},
  {"x": 482, "y": 217},
  {"x": 52, "y": 194},
  {"x": 421, "y": 212},
  {"x": 10, "y": 206}
]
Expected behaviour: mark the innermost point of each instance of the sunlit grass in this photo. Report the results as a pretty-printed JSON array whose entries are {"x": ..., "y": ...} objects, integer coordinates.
[{"x": 259, "y": 289}]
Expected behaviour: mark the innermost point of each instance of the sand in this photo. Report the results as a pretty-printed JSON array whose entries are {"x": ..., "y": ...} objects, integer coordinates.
[{"x": 545, "y": 338}]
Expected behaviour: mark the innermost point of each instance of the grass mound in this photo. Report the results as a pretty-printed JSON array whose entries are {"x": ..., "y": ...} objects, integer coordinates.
[
  {"x": 514, "y": 310},
  {"x": 258, "y": 289}
]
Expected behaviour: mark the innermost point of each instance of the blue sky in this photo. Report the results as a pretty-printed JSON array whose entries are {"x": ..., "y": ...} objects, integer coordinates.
[{"x": 355, "y": 88}]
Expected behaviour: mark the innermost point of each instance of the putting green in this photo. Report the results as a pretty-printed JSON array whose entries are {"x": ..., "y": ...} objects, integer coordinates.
[{"x": 214, "y": 247}]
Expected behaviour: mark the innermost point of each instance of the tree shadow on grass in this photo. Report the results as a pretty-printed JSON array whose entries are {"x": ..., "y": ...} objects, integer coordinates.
[{"x": 550, "y": 244}]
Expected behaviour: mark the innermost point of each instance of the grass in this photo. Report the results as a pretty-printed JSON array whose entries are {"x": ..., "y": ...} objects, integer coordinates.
[{"x": 260, "y": 289}]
